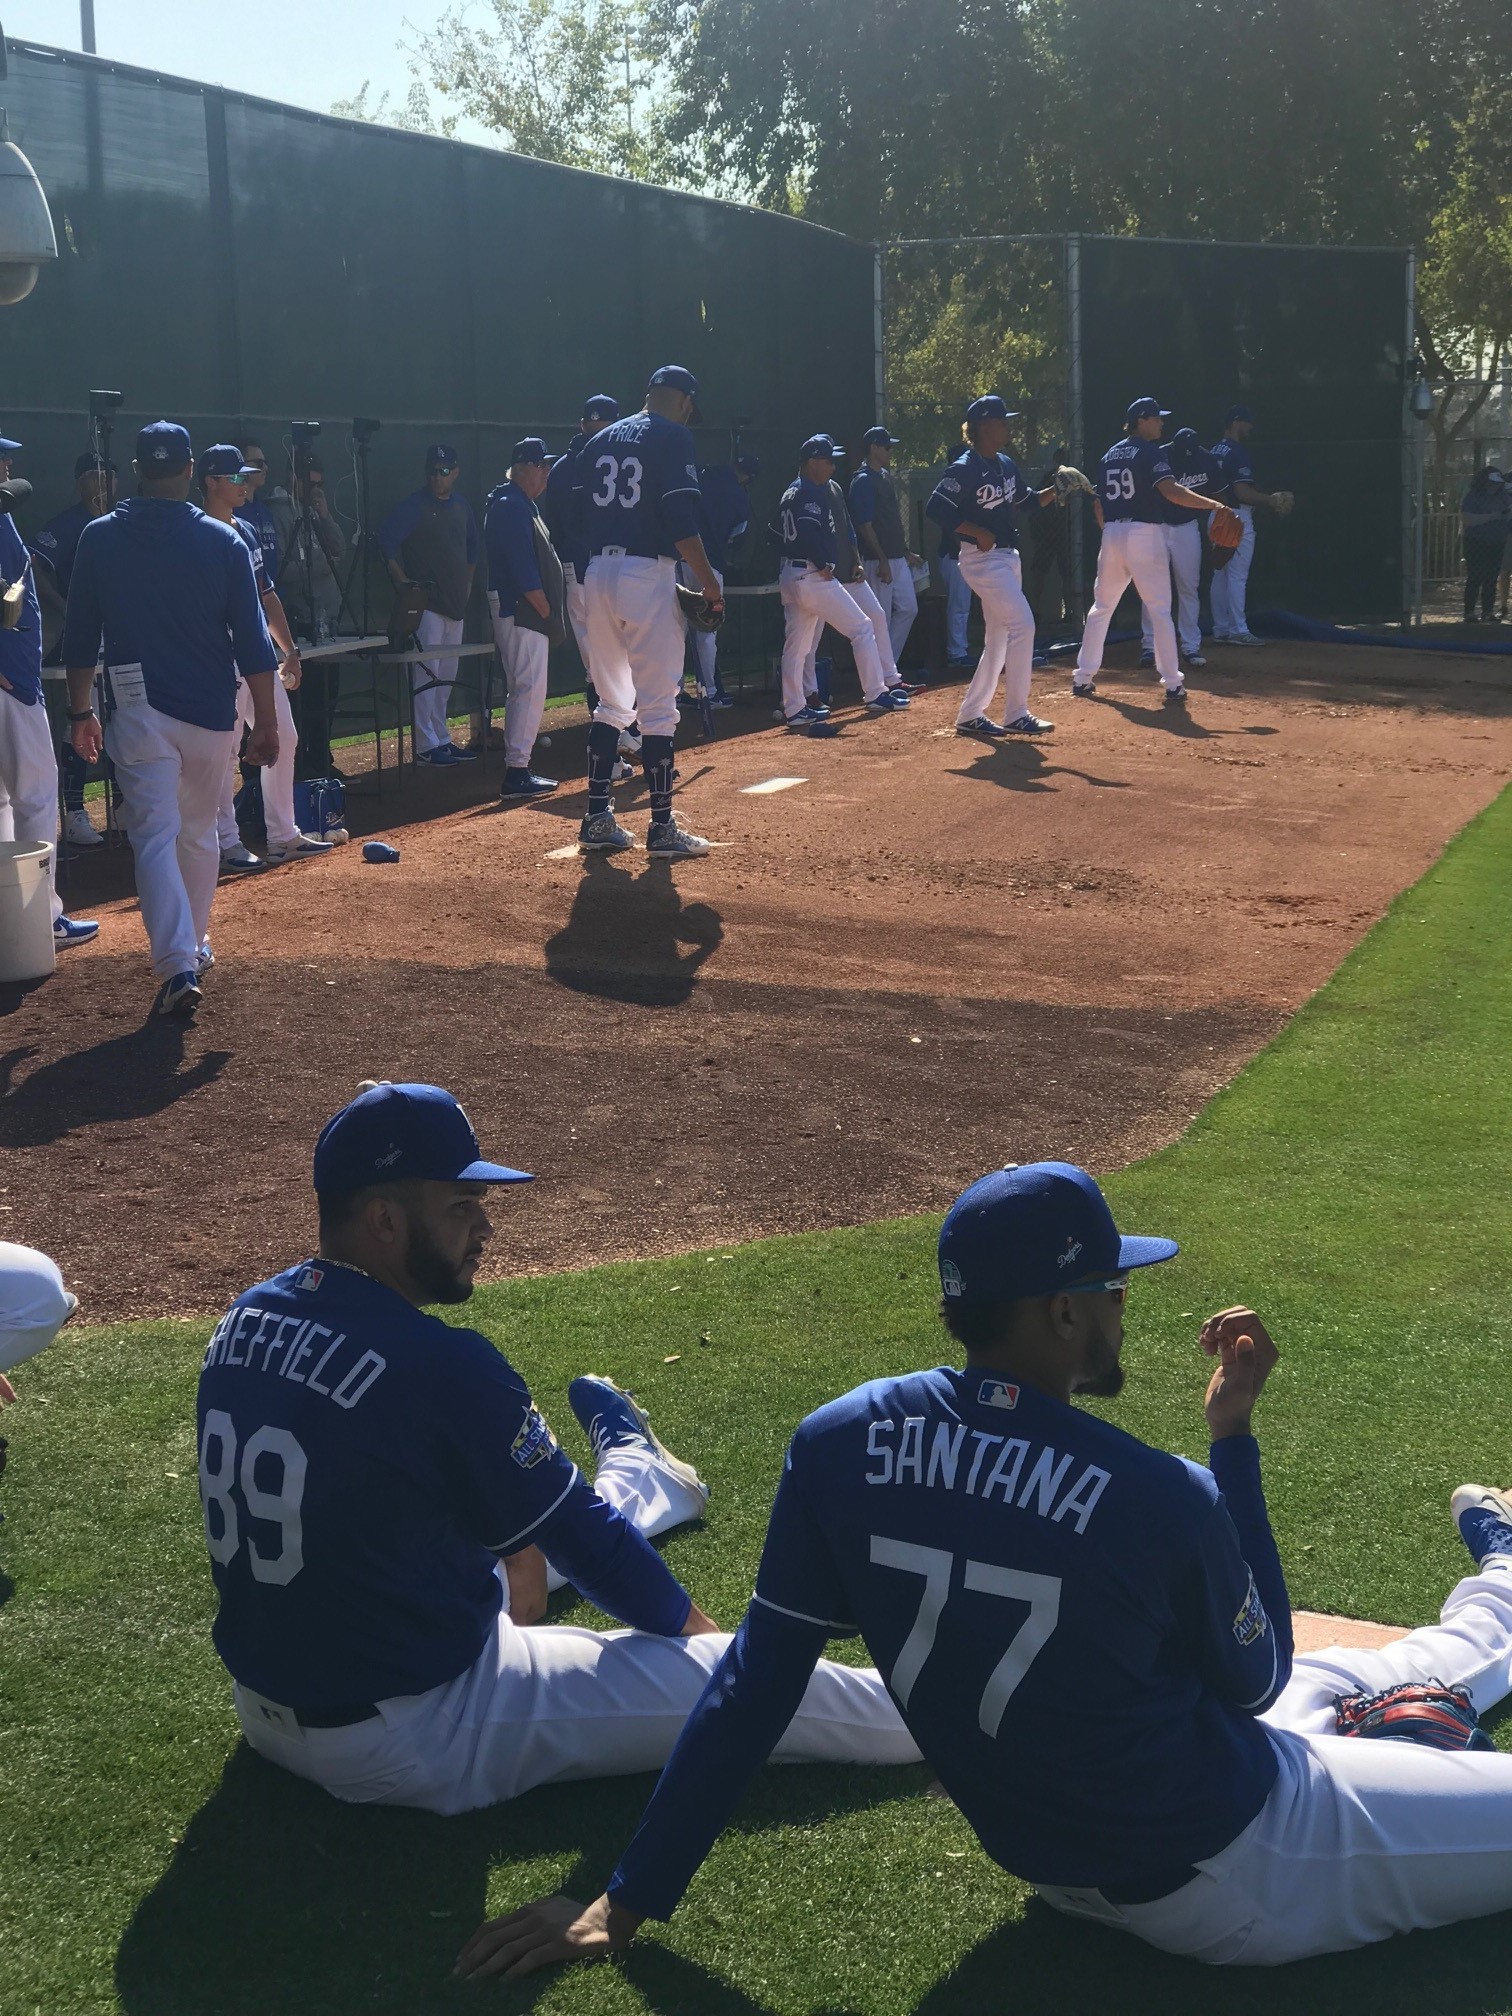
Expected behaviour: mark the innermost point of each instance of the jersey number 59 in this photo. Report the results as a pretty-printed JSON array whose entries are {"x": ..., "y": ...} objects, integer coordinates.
[
  {"x": 272, "y": 1456},
  {"x": 620, "y": 482},
  {"x": 1118, "y": 483}
]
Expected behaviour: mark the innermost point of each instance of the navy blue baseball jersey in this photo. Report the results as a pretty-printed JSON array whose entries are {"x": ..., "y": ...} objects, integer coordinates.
[
  {"x": 637, "y": 482},
  {"x": 1200, "y": 472},
  {"x": 987, "y": 490},
  {"x": 561, "y": 507},
  {"x": 257, "y": 514},
  {"x": 1065, "y": 1617},
  {"x": 804, "y": 528},
  {"x": 1126, "y": 480},
  {"x": 1235, "y": 465},
  {"x": 726, "y": 512},
  {"x": 254, "y": 546},
  {"x": 362, "y": 1466},
  {"x": 509, "y": 523}
]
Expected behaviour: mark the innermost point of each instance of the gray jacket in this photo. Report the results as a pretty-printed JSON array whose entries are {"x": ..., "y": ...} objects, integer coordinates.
[{"x": 298, "y": 581}]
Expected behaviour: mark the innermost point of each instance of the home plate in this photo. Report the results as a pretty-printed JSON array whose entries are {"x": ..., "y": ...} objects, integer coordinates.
[
  {"x": 1312, "y": 1631},
  {"x": 770, "y": 784}
]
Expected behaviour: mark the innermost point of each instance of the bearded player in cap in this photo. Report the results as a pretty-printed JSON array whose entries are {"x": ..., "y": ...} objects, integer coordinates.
[
  {"x": 636, "y": 482},
  {"x": 1091, "y": 1639},
  {"x": 382, "y": 1499}
]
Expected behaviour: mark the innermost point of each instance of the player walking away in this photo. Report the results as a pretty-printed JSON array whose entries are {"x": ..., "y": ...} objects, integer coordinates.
[
  {"x": 432, "y": 537},
  {"x": 28, "y": 764},
  {"x": 1195, "y": 469},
  {"x": 637, "y": 482},
  {"x": 976, "y": 503},
  {"x": 381, "y": 1498},
  {"x": 878, "y": 517},
  {"x": 1237, "y": 469},
  {"x": 806, "y": 534},
  {"x": 724, "y": 520},
  {"x": 1135, "y": 485},
  {"x": 1092, "y": 1640},
  {"x": 223, "y": 480},
  {"x": 52, "y": 554},
  {"x": 173, "y": 597},
  {"x": 511, "y": 528},
  {"x": 1484, "y": 522}
]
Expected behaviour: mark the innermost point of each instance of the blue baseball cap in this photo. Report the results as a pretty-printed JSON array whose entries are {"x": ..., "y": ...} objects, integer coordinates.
[
  {"x": 221, "y": 460},
  {"x": 163, "y": 448},
  {"x": 531, "y": 449},
  {"x": 1146, "y": 409},
  {"x": 677, "y": 377},
  {"x": 819, "y": 445},
  {"x": 601, "y": 407},
  {"x": 1237, "y": 413},
  {"x": 402, "y": 1133},
  {"x": 878, "y": 437},
  {"x": 439, "y": 456},
  {"x": 8, "y": 447},
  {"x": 748, "y": 465},
  {"x": 989, "y": 407},
  {"x": 1032, "y": 1230}
]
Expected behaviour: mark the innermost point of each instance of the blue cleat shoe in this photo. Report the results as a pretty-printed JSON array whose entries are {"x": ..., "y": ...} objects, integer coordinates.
[
  {"x": 1029, "y": 724},
  {"x": 611, "y": 1419},
  {"x": 1484, "y": 1519},
  {"x": 526, "y": 784},
  {"x": 889, "y": 701},
  {"x": 180, "y": 995},
  {"x": 74, "y": 931},
  {"x": 981, "y": 726},
  {"x": 440, "y": 758},
  {"x": 807, "y": 716}
]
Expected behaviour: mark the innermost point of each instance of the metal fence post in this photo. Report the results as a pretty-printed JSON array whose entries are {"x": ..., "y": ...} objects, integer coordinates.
[
  {"x": 1075, "y": 422},
  {"x": 1413, "y": 500},
  {"x": 879, "y": 349}
]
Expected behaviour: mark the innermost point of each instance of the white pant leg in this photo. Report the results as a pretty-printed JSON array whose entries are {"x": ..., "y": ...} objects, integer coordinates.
[
  {"x": 883, "y": 590},
  {"x": 613, "y": 680},
  {"x": 705, "y": 642},
  {"x": 577, "y": 611},
  {"x": 649, "y": 634},
  {"x": 1184, "y": 544},
  {"x": 526, "y": 657},
  {"x": 643, "y": 1491},
  {"x": 996, "y": 578},
  {"x": 227, "y": 832},
  {"x": 1113, "y": 577},
  {"x": 957, "y": 606},
  {"x": 436, "y": 674},
  {"x": 905, "y": 606},
  {"x": 800, "y": 644},
  {"x": 1237, "y": 574},
  {"x": 826, "y": 600},
  {"x": 278, "y": 778},
  {"x": 170, "y": 775},
  {"x": 29, "y": 781},
  {"x": 865, "y": 598}
]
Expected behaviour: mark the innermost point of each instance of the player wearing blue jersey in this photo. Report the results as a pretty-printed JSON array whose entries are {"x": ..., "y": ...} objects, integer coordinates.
[
  {"x": 976, "y": 504},
  {"x": 636, "y": 482},
  {"x": 513, "y": 535},
  {"x": 561, "y": 507},
  {"x": 1193, "y": 466},
  {"x": 1135, "y": 485},
  {"x": 1236, "y": 467},
  {"x": 382, "y": 1499},
  {"x": 431, "y": 537},
  {"x": 877, "y": 514},
  {"x": 725, "y": 518},
  {"x": 807, "y": 531},
  {"x": 1090, "y": 1639}
]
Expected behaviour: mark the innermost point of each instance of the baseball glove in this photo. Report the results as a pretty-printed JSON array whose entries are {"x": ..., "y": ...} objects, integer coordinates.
[
  {"x": 1426, "y": 1712},
  {"x": 1282, "y": 502},
  {"x": 697, "y": 611},
  {"x": 1068, "y": 481},
  {"x": 1225, "y": 530}
]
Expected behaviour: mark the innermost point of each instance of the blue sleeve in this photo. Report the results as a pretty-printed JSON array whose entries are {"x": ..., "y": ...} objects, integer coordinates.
[
  {"x": 607, "y": 1561},
  {"x": 517, "y": 538},
  {"x": 677, "y": 491},
  {"x": 1242, "y": 1649},
  {"x": 1160, "y": 467},
  {"x": 244, "y": 614},
  {"x": 398, "y": 525},
  {"x": 83, "y": 626},
  {"x": 947, "y": 503},
  {"x": 863, "y": 497},
  {"x": 750, "y": 1698},
  {"x": 472, "y": 534},
  {"x": 1235, "y": 1463}
]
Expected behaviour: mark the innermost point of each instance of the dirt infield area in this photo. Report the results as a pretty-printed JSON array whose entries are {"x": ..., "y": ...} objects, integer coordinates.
[{"x": 914, "y": 958}]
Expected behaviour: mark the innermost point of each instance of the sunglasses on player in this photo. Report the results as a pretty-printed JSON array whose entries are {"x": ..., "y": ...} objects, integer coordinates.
[{"x": 1116, "y": 1284}]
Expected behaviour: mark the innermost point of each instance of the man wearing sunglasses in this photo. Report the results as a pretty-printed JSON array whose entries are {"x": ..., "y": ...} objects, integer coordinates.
[{"x": 1090, "y": 1640}]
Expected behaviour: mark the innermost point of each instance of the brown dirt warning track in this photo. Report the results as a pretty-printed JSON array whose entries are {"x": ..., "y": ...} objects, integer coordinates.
[{"x": 927, "y": 957}]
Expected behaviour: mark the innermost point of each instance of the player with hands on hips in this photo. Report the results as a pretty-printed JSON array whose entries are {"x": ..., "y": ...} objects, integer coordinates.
[
  {"x": 636, "y": 482},
  {"x": 1194, "y": 468},
  {"x": 1136, "y": 484},
  {"x": 1092, "y": 1639},
  {"x": 1236, "y": 473},
  {"x": 806, "y": 533},
  {"x": 976, "y": 503}
]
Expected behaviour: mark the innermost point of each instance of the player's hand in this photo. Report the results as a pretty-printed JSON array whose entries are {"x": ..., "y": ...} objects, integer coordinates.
[
  {"x": 698, "y": 1624},
  {"x": 544, "y": 1934},
  {"x": 1246, "y": 1358},
  {"x": 262, "y": 743},
  {"x": 884, "y": 571},
  {"x": 527, "y": 1585},
  {"x": 291, "y": 672},
  {"x": 87, "y": 738},
  {"x": 982, "y": 539},
  {"x": 5, "y": 684},
  {"x": 826, "y": 573},
  {"x": 540, "y": 602},
  {"x": 7, "y": 1392}
]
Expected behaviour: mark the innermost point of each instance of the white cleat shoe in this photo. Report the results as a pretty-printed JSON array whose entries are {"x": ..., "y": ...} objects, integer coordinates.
[{"x": 79, "y": 830}]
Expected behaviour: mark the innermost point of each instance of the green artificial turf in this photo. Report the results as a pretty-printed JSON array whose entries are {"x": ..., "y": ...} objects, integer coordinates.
[{"x": 1350, "y": 1184}]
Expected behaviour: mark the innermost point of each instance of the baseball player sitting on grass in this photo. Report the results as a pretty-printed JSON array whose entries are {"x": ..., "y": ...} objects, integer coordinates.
[
  {"x": 1091, "y": 1640},
  {"x": 382, "y": 1500}
]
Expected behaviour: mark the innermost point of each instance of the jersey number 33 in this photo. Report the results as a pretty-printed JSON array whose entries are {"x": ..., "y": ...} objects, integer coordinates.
[{"x": 619, "y": 482}]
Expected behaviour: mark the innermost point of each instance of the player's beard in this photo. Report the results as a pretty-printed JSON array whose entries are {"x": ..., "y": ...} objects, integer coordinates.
[
  {"x": 439, "y": 1279},
  {"x": 1106, "y": 1385}
]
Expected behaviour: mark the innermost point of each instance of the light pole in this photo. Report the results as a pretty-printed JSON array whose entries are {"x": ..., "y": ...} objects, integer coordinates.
[{"x": 1422, "y": 406}]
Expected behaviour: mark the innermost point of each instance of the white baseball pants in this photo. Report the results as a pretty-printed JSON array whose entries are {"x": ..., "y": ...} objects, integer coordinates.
[
  {"x": 636, "y": 640},
  {"x": 996, "y": 578},
  {"x": 1184, "y": 548},
  {"x": 957, "y": 607},
  {"x": 898, "y": 597},
  {"x": 525, "y": 656},
  {"x": 277, "y": 778},
  {"x": 1131, "y": 551},
  {"x": 1231, "y": 583},
  {"x": 1361, "y": 1837},
  {"x": 553, "y": 1702},
  {"x": 29, "y": 780},
  {"x": 861, "y": 594},
  {"x": 705, "y": 642},
  {"x": 809, "y": 601},
  {"x": 433, "y": 678},
  {"x": 577, "y": 611},
  {"x": 169, "y": 774}
]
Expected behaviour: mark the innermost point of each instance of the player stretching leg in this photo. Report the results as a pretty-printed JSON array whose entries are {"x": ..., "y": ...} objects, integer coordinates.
[
  {"x": 1091, "y": 1640},
  {"x": 366, "y": 1468},
  {"x": 807, "y": 531},
  {"x": 977, "y": 502}
]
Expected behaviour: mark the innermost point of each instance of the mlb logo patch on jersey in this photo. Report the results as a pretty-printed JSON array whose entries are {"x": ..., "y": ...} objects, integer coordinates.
[
  {"x": 309, "y": 1279},
  {"x": 534, "y": 1443},
  {"x": 1251, "y": 1622},
  {"x": 997, "y": 1393}
]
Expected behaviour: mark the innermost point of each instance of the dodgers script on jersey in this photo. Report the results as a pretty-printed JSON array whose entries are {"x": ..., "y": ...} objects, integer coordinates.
[
  {"x": 637, "y": 482},
  {"x": 984, "y": 490},
  {"x": 1127, "y": 479},
  {"x": 805, "y": 523}
]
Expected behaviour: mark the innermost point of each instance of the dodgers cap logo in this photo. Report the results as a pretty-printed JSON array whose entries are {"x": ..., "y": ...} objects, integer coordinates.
[
  {"x": 402, "y": 1133},
  {"x": 1032, "y": 1230}
]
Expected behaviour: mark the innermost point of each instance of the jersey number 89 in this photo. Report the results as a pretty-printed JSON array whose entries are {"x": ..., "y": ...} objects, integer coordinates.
[
  {"x": 621, "y": 482},
  {"x": 275, "y": 1501}
]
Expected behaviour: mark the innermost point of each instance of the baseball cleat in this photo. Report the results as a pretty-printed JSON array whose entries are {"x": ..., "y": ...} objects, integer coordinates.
[
  {"x": 960, "y": 664},
  {"x": 239, "y": 860},
  {"x": 526, "y": 784},
  {"x": 1083, "y": 691},
  {"x": 1040, "y": 662},
  {"x": 603, "y": 834},
  {"x": 891, "y": 700},
  {"x": 1483, "y": 1518},
  {"x": 1245, "y": 637},
  {"x": 462, "y": 754},
  {"x": 206, "y": 957},
  {"x": 908, "y": 686},
  {"x": 720, "y": 700},
  {"x": 442, "y": 757},
  {"x": 1029, "y": 724},
  {"x": 622, "y": 771},
  {"x": 74, "y": 930},
  {"x": 667, "y": 841},
  {"x": 79, "y": 830},
  {"x": 806, "y": 717},
  {"x": 1196, "y": 658},
  {"x": 1175, "y": 696},
  {"x": 611, "y": 1418},
  {"x": 980, "y": 725},
  {"x": 629, "y": 742},
  {"x": 303, "y": 847},
  {"x": 1146, "y": 660},
  {"x": 180, "y": 995}
]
